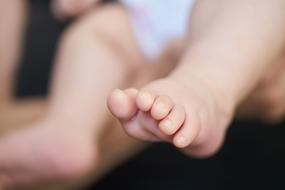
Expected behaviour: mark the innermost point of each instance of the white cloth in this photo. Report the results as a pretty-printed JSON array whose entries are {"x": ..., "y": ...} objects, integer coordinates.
[{"x": 157, "y": 22}]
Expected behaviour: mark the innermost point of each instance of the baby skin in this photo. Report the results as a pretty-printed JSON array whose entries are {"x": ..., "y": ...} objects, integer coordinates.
[
  {"x": 193, "y": 106},
  {"x": 222, "y": 64},
  {"x": 173, "y": 111}
]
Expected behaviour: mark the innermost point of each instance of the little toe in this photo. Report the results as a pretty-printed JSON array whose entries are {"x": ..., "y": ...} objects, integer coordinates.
[
  {"x": 122, "y": 103},
  {"x": 145, "y": 100},
  {"x": 161, "y": 107},
  {"x": 187, "y": 133},
  {"x": 173, "y": 121}
]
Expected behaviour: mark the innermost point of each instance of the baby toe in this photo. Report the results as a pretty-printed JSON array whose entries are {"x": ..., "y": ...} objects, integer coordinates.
[
  {"x": 132, "y": 93},
  {"x": 161, "y": 107},
  {"x": 173, "y": 121},
  {"x": 122, "y": 104},
  {"x": 187, "y": 133},
  {"x": 145, "y": 100}
]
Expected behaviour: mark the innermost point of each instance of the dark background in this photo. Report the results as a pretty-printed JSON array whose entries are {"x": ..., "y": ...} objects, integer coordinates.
[{"x": 252, "y": 157}]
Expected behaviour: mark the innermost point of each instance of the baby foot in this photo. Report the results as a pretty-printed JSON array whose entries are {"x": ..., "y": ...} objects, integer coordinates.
[
  {"x": 45, "y": 153},
  {"x": 189, "y": 115},
  {"x": 69, "y": 8}
]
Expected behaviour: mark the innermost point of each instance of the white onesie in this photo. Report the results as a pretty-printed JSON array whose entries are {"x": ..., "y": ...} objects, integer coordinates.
[{"x": 157, "y": 22}]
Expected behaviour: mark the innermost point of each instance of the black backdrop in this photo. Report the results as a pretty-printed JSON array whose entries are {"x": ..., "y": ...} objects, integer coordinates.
[{"x": 251, "y": 149}]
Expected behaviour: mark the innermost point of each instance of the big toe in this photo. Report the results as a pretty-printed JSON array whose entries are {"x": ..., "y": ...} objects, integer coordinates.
[{"x": 122, "y": 103}]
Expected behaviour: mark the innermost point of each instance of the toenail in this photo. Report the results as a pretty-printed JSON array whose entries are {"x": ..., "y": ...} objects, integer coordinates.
[
  {"x": 162, "y": 107},
  {"x": 117, "y": 91},
  {"x": 146, "y": 95},
  {"x": 167, "y": 125},
  {"x": 181, "y": 141}
]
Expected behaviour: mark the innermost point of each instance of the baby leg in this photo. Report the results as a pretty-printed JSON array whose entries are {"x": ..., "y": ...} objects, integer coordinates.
[
  {"x": 194, "y": 105},
  {"x": 12, "y": 22},
  {"x": 267, "y": 101},
  {"x": 94, "y": 58}
]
